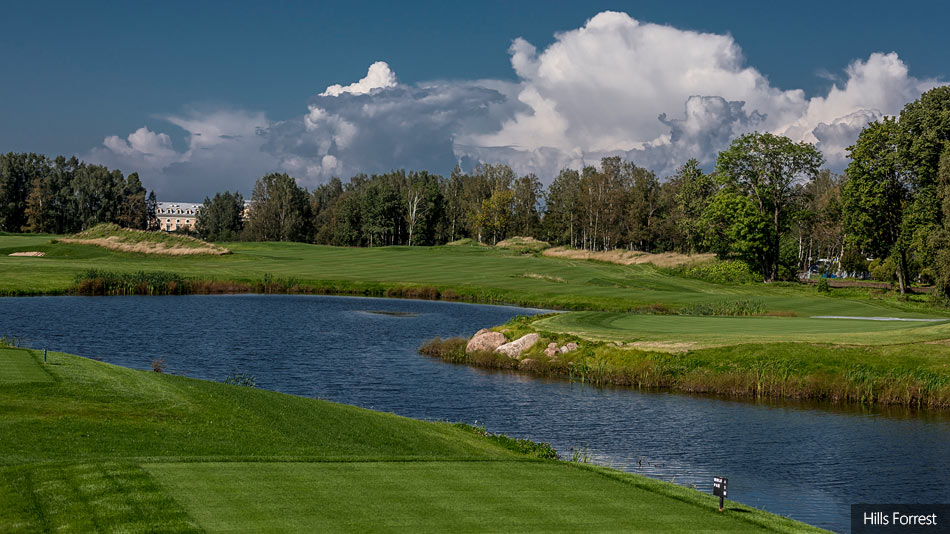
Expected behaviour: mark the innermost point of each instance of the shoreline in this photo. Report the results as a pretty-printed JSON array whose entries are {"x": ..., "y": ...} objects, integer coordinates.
[{"x": 791, "y": 370}]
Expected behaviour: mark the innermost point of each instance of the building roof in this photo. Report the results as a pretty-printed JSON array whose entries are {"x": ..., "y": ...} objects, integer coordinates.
[{"x": 178, "y": 208}]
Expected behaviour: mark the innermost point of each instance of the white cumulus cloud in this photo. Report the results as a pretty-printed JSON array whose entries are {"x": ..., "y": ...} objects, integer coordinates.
[
  {"x": 654, "y": 94},
  {"x": 222, "y": 150},
  {"x": 379, "y": 76}
]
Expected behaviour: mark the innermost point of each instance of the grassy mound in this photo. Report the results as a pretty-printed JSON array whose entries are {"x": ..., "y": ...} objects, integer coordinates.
[
  {"x": 629, "y": 257},
  {"x": 465, "y": 242},
  {"x": 87, "y": 446},
  {"x": 114, "y": 237},
  {"x": 523, "y": 245}
]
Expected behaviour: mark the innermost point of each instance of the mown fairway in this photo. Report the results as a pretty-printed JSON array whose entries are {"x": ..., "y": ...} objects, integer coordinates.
[
  {"x": 712, "y": 331},
  {"x": 486, "y": 274},
  {"x": 87, "y": 446}
]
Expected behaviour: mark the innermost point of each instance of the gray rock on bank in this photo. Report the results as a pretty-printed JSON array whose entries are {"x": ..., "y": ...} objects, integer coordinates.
[
  {"x": 485, "y": 340},
  {"x": 553, "y": 350},
  {"x": 518, "y": 346}
]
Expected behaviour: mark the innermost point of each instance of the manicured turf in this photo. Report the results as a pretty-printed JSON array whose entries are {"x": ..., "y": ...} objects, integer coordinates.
[
  {"x": 489, "y": 275},
  {"x": 426, "y": 497},
  {"x": 103, "y": 448},
  {"x": 712, "y": 331},
  {"x": 21, "y": 366}
]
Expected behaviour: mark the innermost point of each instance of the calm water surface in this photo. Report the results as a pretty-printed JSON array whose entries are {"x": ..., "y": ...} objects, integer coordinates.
[{"x": 807, "y": 462}]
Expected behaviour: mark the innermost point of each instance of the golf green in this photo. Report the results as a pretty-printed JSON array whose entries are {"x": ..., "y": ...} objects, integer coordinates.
[{"x": 713, "y": 330}]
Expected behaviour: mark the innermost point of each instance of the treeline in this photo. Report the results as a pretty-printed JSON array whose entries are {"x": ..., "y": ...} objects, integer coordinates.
[
  {"x": 62, "y": 195},
  {"x": 615, "y": 205}
]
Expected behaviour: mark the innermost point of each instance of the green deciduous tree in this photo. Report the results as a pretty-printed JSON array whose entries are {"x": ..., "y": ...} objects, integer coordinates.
[
  {"x": 221, "y": 218},
  {"x": 279, "y": 210},
  {"x": 875, "y": 196},
  {"x": 695, "y": 190},
  {"x": 735, "y": 228},
  {"x": 769, "y": 170}
]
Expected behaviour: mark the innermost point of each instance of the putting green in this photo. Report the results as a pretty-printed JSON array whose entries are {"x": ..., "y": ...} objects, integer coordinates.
[
  {"x": 21, "y": 366},
  {"x": 708, "y": 331}
]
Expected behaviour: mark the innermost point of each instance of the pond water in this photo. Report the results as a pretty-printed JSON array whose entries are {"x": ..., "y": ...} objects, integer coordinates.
[{"x": 809, "y": 462}]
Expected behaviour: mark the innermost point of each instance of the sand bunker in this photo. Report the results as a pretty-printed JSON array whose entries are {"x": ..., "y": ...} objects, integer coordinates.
[{"x": 34, "y": 254}]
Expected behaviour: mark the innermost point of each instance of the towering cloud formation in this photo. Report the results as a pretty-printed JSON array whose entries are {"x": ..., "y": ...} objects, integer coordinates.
[
  {"x": 654, "y": 94},
  {"x": 379, "y": 76}
]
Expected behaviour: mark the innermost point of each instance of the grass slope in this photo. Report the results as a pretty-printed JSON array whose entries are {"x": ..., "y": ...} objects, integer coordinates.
[{"x": 88, "y": 446}]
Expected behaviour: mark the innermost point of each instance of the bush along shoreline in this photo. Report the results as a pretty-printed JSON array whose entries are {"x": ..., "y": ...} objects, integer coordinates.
[{"x": 801, "y": 371}]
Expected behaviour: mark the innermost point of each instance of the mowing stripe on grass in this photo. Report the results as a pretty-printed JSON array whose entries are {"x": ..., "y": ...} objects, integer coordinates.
[
  {"x": 97, "y": 497},
  {"x": 19, "y": 366}
]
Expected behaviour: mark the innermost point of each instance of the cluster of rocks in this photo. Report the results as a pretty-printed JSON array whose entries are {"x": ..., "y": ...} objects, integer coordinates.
[
  {"x": 553, "y": 350},
  {"x": 486, "y": 340}
]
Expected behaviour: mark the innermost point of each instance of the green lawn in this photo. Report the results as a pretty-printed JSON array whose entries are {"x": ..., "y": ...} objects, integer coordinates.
[
  {"x": 22, "y": 367},
  {"x": 712, "y": 331},
  {"x": 97, "y": 447},
  {"x": 426, "y": 497}
]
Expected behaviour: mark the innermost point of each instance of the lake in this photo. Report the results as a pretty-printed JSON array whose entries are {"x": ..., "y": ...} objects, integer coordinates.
[{"x": 806, "y": 461}]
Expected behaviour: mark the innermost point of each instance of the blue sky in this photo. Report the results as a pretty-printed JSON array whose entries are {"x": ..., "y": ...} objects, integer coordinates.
[{"x": 77, "y": 74}]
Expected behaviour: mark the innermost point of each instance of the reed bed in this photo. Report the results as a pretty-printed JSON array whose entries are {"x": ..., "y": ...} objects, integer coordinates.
[{"x": 98, "y": 282}]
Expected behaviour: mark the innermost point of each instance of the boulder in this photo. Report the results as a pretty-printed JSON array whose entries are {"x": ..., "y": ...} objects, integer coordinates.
[
  {"x": 552, "y": 351},
  {"x": 518, "y": 346},
  {"x": 569, "y": 347},
  {"x": 485, "y": 340}
]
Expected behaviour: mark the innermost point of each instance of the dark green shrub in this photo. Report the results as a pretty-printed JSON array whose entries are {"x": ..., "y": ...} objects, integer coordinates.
[{"x": 724, "y": 272}]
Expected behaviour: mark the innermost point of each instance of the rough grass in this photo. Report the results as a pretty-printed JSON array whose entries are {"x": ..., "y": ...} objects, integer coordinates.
[
  {"x": 523, "y": 245},
  {"x": 104, "y": 448},
  {"x": 629, "y": 257},
  {"x": 114, "y": 237}
]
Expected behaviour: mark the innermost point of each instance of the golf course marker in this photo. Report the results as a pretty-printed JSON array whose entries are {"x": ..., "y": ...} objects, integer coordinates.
[{"x": 721, "y": 489}]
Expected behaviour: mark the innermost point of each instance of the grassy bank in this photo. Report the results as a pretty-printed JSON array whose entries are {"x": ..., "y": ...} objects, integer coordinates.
[
  {"x": 871, "y": 370},
  {"x": 87, "y": 446}
]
